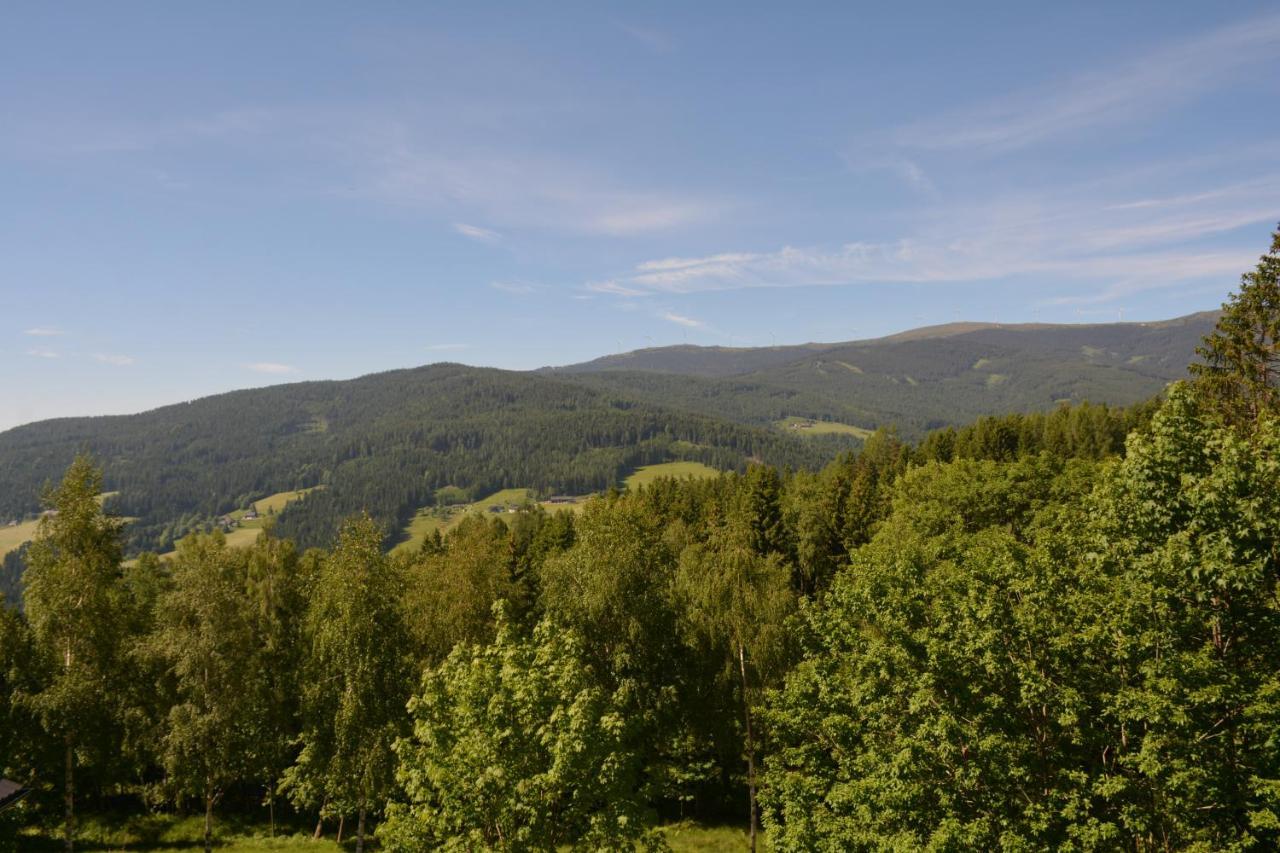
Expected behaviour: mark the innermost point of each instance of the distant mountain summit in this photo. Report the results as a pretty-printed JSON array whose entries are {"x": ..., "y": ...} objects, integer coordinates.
[
  {"x": 914, "y": 380},
  {"x": 693, "y": 360}
]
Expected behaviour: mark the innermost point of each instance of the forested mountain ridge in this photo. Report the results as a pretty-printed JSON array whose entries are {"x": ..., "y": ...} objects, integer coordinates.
[
  {"x": 1164, "y": 340},
  {"x": 916, "y": 380},
  {"x": 382, "y": 443},
  {"x": 386, "y": 442}
]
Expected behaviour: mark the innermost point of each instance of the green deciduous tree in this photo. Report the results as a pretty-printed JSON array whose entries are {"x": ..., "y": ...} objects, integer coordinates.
[
  {"x": 73, "y": 598},
  {"x": 205, "y": 635},
  {"x": 1012, "y": 665},
  {"x": 277, "y": 583},
  {"x": 734, "y": 601},
  {"x": 1185, "y": 543},
  {"x": 18, "y": 731},
  {"x": 450, "y": 590},
  {"x": 518, "y": 746},
  {"x": 357, "y": 678}
]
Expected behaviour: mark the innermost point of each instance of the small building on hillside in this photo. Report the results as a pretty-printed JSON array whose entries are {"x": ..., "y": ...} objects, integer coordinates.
[{"x": 10, "y": 793}]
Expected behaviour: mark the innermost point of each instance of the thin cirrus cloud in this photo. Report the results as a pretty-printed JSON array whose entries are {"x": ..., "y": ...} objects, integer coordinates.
[
  {"x": 447, "y": 347},
  {"x": 114, "y": 359},
  {"x": 44, "y": 332},
  {"x": 42, "y": 353},
  {"x": 271, "y": 368},
  {"x": 518, "y": 190},
  {"x": 391, "y": 159},
  {"x": 516, "y": 288},
  {"x": 681, "y": 320},
  {"x": 1127, "y": 245},
  {"x": 475, "y": 232},
  {"x": 1130, "y": 91}
]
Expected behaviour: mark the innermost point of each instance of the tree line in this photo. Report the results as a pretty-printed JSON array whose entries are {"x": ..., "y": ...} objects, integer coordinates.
[{"x": 1019, "y": 635}]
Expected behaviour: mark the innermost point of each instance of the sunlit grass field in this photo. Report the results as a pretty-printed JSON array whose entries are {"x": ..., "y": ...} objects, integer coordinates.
[
  {"x": 429, "y": 518},
  {"x": 11, "y": 538},
  {"x": 649, "y": 473},
  {"x": 821, "y": 428}
]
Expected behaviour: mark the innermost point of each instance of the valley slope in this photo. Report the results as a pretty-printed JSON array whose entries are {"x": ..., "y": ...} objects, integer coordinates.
[
  {"x": 388, "y": 442},
  {"x": 916, "y": 380}
]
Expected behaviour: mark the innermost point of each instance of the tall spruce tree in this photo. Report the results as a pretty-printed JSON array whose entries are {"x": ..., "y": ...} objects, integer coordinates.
[{"x": 1241, "y": 369}]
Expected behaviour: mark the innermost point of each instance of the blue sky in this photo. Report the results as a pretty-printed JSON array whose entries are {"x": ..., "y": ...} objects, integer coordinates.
[{"x": 199, "y": 199}]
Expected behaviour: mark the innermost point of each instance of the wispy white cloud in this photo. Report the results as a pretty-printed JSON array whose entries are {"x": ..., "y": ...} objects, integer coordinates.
[
  {"x": 1118, "y": 243},
  {"x": 114, "y": 359},
  {"x": 44, "y": 332},
  {"x": 404, "y": 158},
  {"x": 475, "y": 232},
  {"x": 614, "y": 288},
  {"x": 42, "y": 353},
  {"x": 271, "y": 367},
  {"x": 447, "y": 347},
  {"x": 518, "y": 288},
  {"x": 681, "y": 320},
  {"x": 518, "y": 190},
  {"x": 1131, "y": 91}
]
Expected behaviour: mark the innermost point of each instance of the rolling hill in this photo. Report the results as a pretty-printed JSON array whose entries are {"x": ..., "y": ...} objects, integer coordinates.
[
  {"x": 916, "y": 380},
  {"x": 389, "y": 443},
  {"x": 385, "y": 443}
]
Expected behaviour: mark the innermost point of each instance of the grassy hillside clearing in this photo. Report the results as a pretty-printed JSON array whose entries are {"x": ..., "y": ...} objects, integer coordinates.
[
  {"x": 649, "y": 473},
  {"x": 806, "y": 426},
  {"x": 444, "y": 519},
  {"x": 245, "y": 527},
  {"x": 432, "y": 518},
  {"x": 14, "y": 536}
]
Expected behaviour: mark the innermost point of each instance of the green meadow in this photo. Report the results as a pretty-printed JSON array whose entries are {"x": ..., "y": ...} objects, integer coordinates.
[
  {"x": 795, "y": 425},
  {"x": 678, "y": 470}
]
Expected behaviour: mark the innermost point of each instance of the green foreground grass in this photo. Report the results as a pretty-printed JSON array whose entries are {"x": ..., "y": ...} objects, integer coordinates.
[{"x": 173, "y": 834}]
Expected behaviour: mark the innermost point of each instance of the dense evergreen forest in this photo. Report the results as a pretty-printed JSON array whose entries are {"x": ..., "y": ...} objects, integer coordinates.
[
  {"x": 392, "y": 443},
  {"x": 916, "y": 381},
  {"x": 384, "y": 444},
  {"x": 1054, "y": 631}
]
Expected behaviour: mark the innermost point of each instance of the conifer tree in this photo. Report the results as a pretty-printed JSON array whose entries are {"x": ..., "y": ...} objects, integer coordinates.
[{"x": 1241, "y": 369}]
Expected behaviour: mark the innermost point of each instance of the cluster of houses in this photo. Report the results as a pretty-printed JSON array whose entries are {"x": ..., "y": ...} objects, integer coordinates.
[
  {"x": 554, "y": 499},
  {"x": 229, "y": 522}
]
